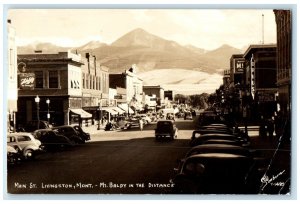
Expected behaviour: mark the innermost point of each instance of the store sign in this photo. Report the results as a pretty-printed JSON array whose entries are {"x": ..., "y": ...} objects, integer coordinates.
[
  {"x": 26, "y": 80},
  {"x": 118, "y": 97},
  {"x": 239, "y": 66},
  {"x": 266, "y": 97}
]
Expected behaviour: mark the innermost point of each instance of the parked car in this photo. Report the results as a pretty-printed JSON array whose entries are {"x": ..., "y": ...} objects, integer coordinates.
[
  {"x": 166, "y": 128},
  {"x": 216, "y": 173},
  {"x": 51, "y": 140},
  {"x": 198, "y": 138},
  {"x": 13, "y": 155},
  {"x": 220, "y": 148},
  {"x": 84, "y": 135},
  {"x": 69, "y": 132},
  {"x": 146, "y": 119},
  {"x": 26, "y": 143},
  {"x": 33, "y": 125}
]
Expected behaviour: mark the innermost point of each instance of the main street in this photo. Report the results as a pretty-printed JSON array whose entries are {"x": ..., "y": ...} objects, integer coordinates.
[{"x": 113, "y": 162}]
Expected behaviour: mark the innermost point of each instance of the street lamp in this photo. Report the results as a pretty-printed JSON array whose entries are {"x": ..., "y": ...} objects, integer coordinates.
[
  {"x": 48, "y": 114},
  {"x": 99, "y": 116},
  {"x": 37, "y": 100}
]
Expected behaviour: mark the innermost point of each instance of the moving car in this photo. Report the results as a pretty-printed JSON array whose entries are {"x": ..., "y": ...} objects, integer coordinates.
[
  {"x": 166, "y": 128},
  {"x": 188, "y": 115},
  {"x": 26, "y": 143},
  {"x": 51, "y": 140}
]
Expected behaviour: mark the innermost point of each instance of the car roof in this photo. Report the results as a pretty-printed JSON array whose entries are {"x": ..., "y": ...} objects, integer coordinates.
[
  {"x": 216, "y": 146},
  {"x": 19, "y": 134},
  {"x": 217, "y": 155}
]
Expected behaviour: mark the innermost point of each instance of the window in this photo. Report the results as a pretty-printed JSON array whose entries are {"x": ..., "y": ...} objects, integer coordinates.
[
  {"x": 23, "y": 138},
  {"x": 39, "y": 79},
  {"x": 83, "y": 80},
  {"x": 53, "y": 79}
]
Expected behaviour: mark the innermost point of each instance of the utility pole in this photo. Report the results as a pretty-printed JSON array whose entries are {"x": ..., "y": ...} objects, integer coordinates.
[{"x": 263, "y": 29}]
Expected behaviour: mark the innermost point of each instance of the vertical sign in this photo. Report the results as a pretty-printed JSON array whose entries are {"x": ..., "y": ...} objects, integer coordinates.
[{"x": 252, "y": 70}]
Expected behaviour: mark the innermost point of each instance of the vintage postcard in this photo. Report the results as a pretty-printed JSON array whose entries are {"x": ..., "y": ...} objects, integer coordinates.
[{"x": 156, "y": 101}]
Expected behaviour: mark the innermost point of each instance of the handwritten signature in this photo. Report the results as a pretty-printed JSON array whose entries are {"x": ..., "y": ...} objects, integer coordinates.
[{"x": 265, "y": 180}]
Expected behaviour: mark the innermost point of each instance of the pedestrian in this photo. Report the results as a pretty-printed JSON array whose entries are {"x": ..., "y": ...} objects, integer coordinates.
[
  {"x": 141, "y": 124},
  {"x": 262, "y": 127}
]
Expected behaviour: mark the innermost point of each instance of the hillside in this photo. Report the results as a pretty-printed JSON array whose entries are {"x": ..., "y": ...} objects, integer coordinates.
[
  {"x": 183, "y": 81},
  {"x": 148, "y": 52}
]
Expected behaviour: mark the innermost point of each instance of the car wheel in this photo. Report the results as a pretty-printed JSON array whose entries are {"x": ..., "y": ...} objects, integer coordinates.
[{"x": 29, "y": 154}]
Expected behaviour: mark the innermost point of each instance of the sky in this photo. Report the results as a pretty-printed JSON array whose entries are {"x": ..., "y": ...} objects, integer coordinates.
[{"x": 203, "y": 28}]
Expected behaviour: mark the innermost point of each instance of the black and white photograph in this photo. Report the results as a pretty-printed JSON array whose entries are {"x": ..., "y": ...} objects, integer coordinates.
[{"x": 148, "y": 100}]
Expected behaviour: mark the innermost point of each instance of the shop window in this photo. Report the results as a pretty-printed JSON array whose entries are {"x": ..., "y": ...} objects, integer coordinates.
[
  {"x": 53, "y": 79},
  {"x": 39, "y": 79}
]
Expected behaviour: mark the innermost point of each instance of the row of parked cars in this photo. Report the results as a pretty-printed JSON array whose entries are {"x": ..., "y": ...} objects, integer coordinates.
[
  {"x": 26, "y": 145},
  {"x": 220, "y": 161}
]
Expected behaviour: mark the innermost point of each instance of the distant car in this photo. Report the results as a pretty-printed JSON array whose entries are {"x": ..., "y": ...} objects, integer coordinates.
[
  {"x": 26, "y": 143},
  {"x": 188, "y": 116},
  {"x": 166, "y": 128},
  {"x": 146, "y": 119},
  {"x": 84, "y": 135},
  {"x": 51, "y": 140},
  {"x": 216, "y": 173},
  {"x": 33, "y": 125},
  {"x": 69, "y": 132}
]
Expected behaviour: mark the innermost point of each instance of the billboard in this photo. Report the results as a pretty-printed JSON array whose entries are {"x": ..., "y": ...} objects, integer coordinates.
[{"x": 26, "y": 80}]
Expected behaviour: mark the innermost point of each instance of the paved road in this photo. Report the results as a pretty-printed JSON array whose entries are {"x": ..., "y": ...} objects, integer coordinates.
[{"x": 126, "y": 162}]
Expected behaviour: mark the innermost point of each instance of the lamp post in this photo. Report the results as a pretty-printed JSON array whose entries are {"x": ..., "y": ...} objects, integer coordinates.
[
  {"x": 99, "y": 116},
  {"x": 37, "y": 100},
  {"x": 48, "y": 114}
]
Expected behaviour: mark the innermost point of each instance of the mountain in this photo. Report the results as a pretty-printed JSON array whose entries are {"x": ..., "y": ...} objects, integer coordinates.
[
  {"x": 45, "y": 47},
  {"x": 148, "y": 52},
  {"x": 91, "y": 45}
]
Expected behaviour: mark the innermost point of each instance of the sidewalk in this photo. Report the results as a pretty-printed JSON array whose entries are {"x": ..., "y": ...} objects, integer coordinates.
[{"x": 93, "y": 129}]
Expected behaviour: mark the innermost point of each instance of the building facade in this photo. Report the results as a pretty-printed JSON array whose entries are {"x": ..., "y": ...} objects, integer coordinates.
[
  {"x": 284, "y": 59},
  {"x": 156, "y": 91},
  {"x": 95, "y": 86},
  {"x": 237, "y": 62},
  {"x": 56, "y": 78},
  {"x": 133, "y": 85},
  {"x": 260, "y": 79}
]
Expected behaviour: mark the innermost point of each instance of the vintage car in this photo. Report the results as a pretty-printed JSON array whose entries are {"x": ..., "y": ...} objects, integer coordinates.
[
  {"x": 84, "y": 135},
  {"x": 51, "y": 140},
  {"x": 34, "y": 125},
  {"x": 13, "y": 155},
  {"x": 166, "y": 128},
  {"x": 216, "y": 173},
  {"x": 69, "y": 132},
  {"x": 26, "y": 143}
]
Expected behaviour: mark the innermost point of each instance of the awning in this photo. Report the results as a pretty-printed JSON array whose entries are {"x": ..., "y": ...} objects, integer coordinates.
[
  {"x": 110, "y": 110},
  {"x": 119, "y": 110},
  {"x": 81, "y": 112},
  {"x": 125, "y": 108}
]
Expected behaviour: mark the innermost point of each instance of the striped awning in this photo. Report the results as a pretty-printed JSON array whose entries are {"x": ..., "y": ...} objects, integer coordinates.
[
  {"x": 125, "y": 108},
  {"x": 81, "y": 112},
  {"x": 110, "y": 110}
]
